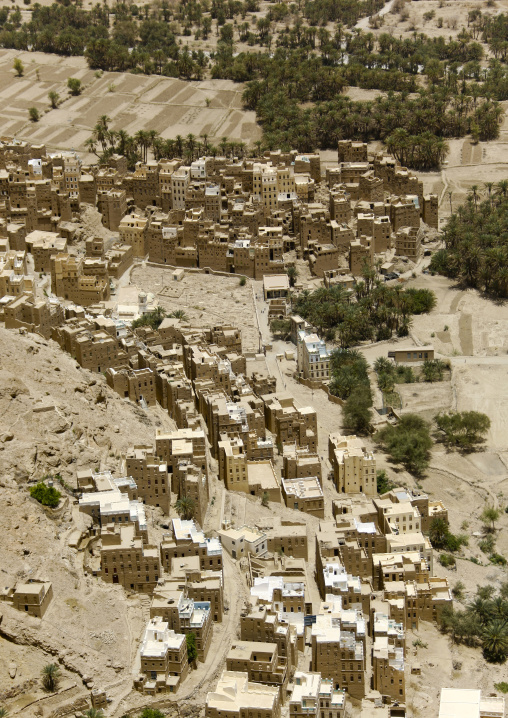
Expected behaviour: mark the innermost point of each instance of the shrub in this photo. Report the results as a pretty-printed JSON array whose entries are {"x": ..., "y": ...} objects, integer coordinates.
[
  {"x": 497, "y": 559},
  {"x": 458, "y": 590},
  {"x": 45, "y": 495},
  {"x": 33, "y": 114},
  {"x": 74, "y": 86},
  {"x": 420, "y": 301},
  {"x": 54, "y": 99},
  {"x": 243, "y": 281},
  {"x": 501, "y": 687},
  {"x": 18, "y": 67},
  {"x": 447, "y": 560},
  {"x": 487, "y": 544}
]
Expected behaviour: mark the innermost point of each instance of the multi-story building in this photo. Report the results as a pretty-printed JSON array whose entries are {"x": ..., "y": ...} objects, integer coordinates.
[
  {"x": 132, "y": 230},
  {"x": 163, "y": 657},
  {"x": 184, "y": 615},
  {"x": 188, "y": 540},
  {"x": 305, "y": 495},
  {"x": 150, "y": 475},
  {"x": 313, "y": 358},
  {"x": 127, "y": 560},
  {"x": 354, "y": 468},
  {"x": 261, "y": 662},
  {"x": 236, "y": 696}
]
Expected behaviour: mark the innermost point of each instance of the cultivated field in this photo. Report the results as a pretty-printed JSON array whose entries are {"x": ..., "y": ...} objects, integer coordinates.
[{"x": 133, "y": 102}]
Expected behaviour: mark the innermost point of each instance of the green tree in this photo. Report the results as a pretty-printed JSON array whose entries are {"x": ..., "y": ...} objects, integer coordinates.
[
  {"x": 438, "y": 532},
  {"x": 265, "y": 499},
  {"x": 489, "y": 517},
  {"x": 408, "y": 442},
  {"x": 185, "y": 507},
  {"x": 151, "y": 713},
  {"x": 45, "y": 495},
  {"x": 192, "y": 651},
  {"x": 74, "y": 86},
  {"x": 356, "y": 412},
  {"x": 33, "y": 114},
  {"x": 18, "y": 66},
  {"x": 432, "y": 370},
  {"x": 383, "y": 483},
  {"x": 54, "y": 99},
  {"x": 179, "y": 314},
  {"x": 464, "y": 429},
  {"x": 495, "y": 641},
  {"x": 151, "y": 319},
  {"x": 93, "y": 713},
  {"x": 292, "y": 273},
  {"x": 51, "y": 677}
]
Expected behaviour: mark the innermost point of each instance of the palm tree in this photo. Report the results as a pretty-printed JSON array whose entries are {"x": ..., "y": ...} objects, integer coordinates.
[
  {"x": 93, "y": 713},
  {"x": 50, "y": 677},
  {"x": 438, "y": 532},
  {"x": 190, "y": 142},
  {"x": 179, "y": 145},
  {"x": 185, "y": 507},
  {"x": 100, "y": 131},
  {"x": 495, "y": 641},
  {"x": 3, "y": 713}
]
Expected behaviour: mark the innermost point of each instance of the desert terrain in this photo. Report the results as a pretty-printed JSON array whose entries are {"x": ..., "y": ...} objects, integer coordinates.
[{"x": 57, "y": 418}]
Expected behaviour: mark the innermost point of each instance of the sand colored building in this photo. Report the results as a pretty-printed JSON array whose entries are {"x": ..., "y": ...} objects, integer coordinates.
[
  {"x": 267, "y": 624},
  {"x": 42, "y": 245},
  {"x": 128, "y": 560},
  {"x": 182, "y": 445},
  {"x": 199, "y": 584},
  {"x": 313, "y": 357},
  {"x": 315, "y": 696},
  {"x": 349, "y": 151},
  {"x": 288, "y": 423},
  {"x": 163, "y": 656},
  {"x": 32, "y": 597},
  {"x": 151, "y": 476},
  {"x": 243, "y": 541},
  {"x": 184, "y": 615},
  {"x": 304, "y": 495},
  {"x": 354, "y": 468},
  {"x": 388, "y": 669},
  {"x": 403, "y": 566},
  {"x": 284, "y": 537},
  {"x": 188, "y": 540},
  {"x": 138, "y": 385},
  {"x": 114, "y": 507},
  {"x": 112, "y": 204},
  {"x": 338, "y": 647},
  {"x": 261, "y": 662},
  {"x": 300, "y": 463},
  {"x": 70, "y": 280},
  {"x": 235, "y": 696},
  {"x": 132, "y": 230},
  {"x": 408, "y": 243}
]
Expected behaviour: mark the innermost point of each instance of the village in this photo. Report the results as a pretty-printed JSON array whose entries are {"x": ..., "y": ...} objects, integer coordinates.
[{"x": 323, "y": 580}]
